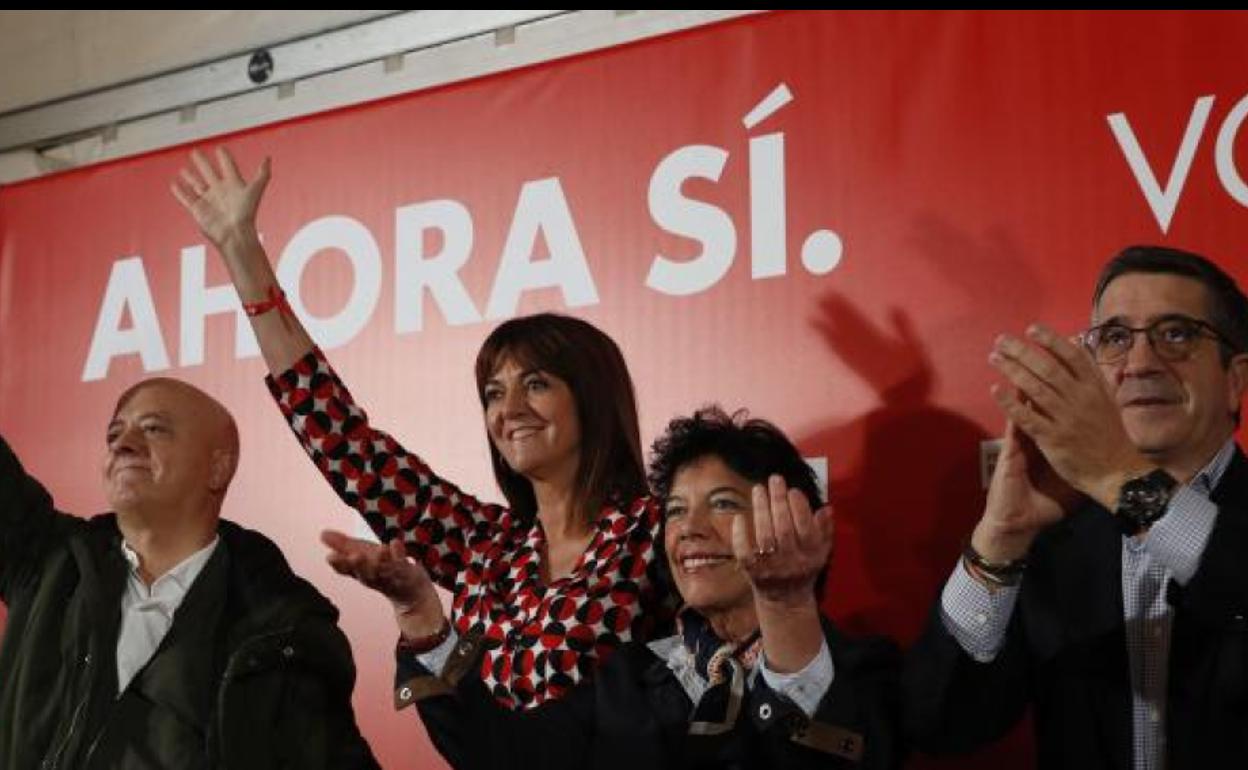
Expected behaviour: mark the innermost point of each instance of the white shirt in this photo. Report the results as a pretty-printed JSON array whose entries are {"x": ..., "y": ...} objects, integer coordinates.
[{"x": 147, "y": 612}]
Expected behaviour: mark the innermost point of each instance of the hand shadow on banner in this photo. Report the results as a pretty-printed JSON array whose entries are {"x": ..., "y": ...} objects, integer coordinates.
[
  {"x": 909, "y": 503},
  {"x": 911, "y": 494},
  {"x": 905, "y": 477}
]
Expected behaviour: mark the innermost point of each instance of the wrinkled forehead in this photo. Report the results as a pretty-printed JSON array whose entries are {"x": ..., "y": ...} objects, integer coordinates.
[
  {"x": 174, "y": 398},
  {"x": 146, "y": 395},
  {"x": 1138, "y": 298}
]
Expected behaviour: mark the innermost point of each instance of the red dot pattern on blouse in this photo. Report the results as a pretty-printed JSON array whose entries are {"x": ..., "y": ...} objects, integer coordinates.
[{"x": 540, "y": 640}]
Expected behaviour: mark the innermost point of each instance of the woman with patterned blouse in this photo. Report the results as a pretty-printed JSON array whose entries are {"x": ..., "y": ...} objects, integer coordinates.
[
  {"x": 754, "y": 677},
  {"x": 553, "y": 582}
]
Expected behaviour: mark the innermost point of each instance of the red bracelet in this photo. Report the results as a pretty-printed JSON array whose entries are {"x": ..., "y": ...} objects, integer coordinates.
[
  {"x": 424, "y": 644},
  {"x": 276, "y": 299}
]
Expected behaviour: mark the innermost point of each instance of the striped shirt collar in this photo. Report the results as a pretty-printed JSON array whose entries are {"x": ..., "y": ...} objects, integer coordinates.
[{"x": 1211, "y": 475}]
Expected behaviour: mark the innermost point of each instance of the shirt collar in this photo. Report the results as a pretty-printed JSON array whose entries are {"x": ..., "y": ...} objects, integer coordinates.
[
  {"x": 1209, "y": 476},
  {"x": 182, "y": 575}
]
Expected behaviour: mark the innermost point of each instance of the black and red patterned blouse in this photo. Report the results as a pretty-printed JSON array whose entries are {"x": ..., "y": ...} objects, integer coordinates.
[{"x": 542, "y": 638}]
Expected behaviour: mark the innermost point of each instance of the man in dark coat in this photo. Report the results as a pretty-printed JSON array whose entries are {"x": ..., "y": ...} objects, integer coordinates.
[
  {"x": 1106, "y": 584},
  {"x": 160, "y": 636}
]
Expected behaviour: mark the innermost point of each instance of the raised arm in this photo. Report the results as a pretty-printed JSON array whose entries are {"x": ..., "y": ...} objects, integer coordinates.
[
  {"x": 224, "y": 205},
  {"x": 28, "y": 524},
  {"x": 393, "y": 489}
]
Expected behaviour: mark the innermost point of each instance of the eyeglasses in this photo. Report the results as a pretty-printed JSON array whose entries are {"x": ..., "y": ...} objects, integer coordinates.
[{"x": 1172, "y": 337}]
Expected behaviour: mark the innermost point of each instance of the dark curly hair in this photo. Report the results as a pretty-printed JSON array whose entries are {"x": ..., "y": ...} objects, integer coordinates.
[{"x": 754, "y": 449}]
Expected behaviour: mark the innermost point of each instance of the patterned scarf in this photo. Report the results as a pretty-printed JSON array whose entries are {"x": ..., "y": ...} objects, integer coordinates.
[{"x": 710, "y": 653}]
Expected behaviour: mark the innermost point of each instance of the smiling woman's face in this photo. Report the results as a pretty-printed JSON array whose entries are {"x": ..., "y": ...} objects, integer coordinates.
[
  {"x": 705, "y": 498},
  {"x": 531, "y": 417}
]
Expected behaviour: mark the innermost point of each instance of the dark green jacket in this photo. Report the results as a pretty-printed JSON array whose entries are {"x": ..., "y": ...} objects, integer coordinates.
[{"x": 254, "y": 672}]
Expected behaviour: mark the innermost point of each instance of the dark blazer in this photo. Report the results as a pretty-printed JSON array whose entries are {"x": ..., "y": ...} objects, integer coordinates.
[
  {"x": 1065, "y": 653},
  {"x": 635, "y": 715}
]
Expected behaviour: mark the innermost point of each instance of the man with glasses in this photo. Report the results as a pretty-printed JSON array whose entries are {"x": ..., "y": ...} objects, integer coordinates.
[{"x": 1106, "y": 584}]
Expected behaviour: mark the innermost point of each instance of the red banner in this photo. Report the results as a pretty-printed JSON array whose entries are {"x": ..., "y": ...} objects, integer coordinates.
[{"x": 825, "y": 218}]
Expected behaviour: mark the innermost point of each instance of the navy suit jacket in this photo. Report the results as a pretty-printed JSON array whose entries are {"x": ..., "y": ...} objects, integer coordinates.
[{"x": 1065, "y": 653}]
